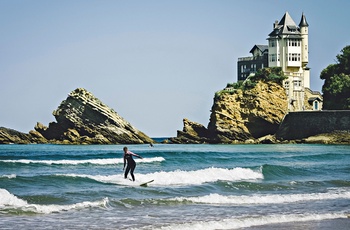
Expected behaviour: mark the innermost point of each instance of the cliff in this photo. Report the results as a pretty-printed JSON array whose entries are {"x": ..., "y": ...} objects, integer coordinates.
[
  {"x": 239, "y": 115},
  {"x": 81, "y": 119}
]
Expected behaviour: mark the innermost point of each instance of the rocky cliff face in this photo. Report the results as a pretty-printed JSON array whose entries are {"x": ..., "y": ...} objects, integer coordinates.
[
  {"x": 241, "y": 115},
  {"x": 248, "y": 114},
  {"x": 81, "y": 119},
  {"x": 192, "y": 133}
]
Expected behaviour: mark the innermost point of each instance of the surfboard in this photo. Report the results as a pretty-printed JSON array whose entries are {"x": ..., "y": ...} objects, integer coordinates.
[{"x": 146, "y": 183}]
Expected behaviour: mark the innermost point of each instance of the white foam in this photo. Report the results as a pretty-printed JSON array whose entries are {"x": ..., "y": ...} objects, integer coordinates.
[
  {"x": 265, "y": 199},
  {"x": 250, "y": 221},
  {"x": 110, "y": 161},
  {"x": 202, "y": 176},
  {"x": 10, "y": 201},
  {"x": 11, "y": 176},
  {"x": 180, "y": 177}
]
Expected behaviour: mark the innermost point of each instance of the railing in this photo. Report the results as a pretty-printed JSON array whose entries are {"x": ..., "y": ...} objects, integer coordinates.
[
  {"x": 251, "y": 58},
  {"x": 293, "y": 74}
]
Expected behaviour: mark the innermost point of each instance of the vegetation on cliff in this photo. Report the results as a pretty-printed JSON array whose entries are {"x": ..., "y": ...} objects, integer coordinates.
[
  {"x": 273, "y": 74},
  {"x": 336, "y": 88},
  {"x": 242, "y": 112}
]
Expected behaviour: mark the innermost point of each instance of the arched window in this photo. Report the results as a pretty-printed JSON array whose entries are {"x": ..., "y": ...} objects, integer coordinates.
[{"x": 315, "y": 105}]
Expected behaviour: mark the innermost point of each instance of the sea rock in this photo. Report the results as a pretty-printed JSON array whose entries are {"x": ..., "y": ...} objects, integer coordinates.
[
  {"x": 84, "y": 119},
  {"x": 10, "y": 136},
  {"x": 192, "y": 133},
  {"x": 240, "y": 116},
  {"x": 336, "y": 137},
  {"x": 248, "y": 114}
]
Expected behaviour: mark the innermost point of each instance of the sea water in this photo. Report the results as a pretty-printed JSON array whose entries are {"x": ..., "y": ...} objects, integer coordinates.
[{"x": 195, "y": 187}]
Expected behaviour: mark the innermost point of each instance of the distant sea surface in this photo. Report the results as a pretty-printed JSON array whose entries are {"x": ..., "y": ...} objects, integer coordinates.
[{"x": 195, "y": 187}]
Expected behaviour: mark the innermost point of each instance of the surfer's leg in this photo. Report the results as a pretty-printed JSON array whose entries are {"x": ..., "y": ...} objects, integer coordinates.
[
  {"x": 126, "y": 171},
  {"x": 132, "y": 171}
]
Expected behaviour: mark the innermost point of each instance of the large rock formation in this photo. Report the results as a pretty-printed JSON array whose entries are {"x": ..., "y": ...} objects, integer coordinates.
[
  {"x": 240, "y": 116},
  {"x": 248, "y": 114},
  {"x": 82, "y": 118},
  {"x": 192, "y": 133}
]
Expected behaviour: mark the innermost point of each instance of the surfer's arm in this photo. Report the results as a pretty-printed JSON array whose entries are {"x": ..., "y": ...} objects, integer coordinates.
[
  {"x": 124, "y": 161},
  {"x": 134, "y": 154}
]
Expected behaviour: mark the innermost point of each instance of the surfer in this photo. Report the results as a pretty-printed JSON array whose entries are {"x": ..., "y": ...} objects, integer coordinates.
[{"x": 130, "y": 161}]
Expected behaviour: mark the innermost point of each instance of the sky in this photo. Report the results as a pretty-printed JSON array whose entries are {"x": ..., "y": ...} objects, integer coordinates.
[{"x": 153, "y": 62}]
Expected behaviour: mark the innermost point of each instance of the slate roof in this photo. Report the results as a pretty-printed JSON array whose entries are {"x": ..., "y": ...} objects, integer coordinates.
[
  {"x": 303, "y": 21},
  {"x": 262, "y": 48},
  {"x": 287, "y": 26}
]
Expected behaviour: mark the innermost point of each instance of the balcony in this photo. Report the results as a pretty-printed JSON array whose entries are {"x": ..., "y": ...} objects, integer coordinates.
[{"x": 251, "y": 58}]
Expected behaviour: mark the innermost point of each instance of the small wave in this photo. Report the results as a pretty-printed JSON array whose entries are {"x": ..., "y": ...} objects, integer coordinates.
[
  {"x": 180, "y": 178},
  {"x": 251, "y": 221},
  {"x": 11, "y": 176},
  {"x": 109, "y": 161},
  {"x": 265, "y": 199},
  {"x": 278, "y": 171},
  {"x": 10, "y": 202}
]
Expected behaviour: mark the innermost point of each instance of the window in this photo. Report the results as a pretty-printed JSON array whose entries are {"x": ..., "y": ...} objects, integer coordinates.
[
  {"x": 294, "y": 57},
  {"x": 297, "y": 84},
  {"x": 315, "y": 105},
  {"x": 272, "y": 43},
  {"x": 294, "y": 42},
  {"x": 272, "y": 57},
  {"x": 286, "y": 84}
]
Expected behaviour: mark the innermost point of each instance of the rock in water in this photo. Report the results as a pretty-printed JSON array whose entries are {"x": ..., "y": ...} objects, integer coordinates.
[
  {"x": 247, "y": 114},
  {"x": 84, "y": 119},
  {"x": 240, "y": 116},
  {"x": 192, "y": 133}
]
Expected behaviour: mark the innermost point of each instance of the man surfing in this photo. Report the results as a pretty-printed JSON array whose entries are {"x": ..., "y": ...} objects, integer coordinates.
[{"x": 131, "y": 164}]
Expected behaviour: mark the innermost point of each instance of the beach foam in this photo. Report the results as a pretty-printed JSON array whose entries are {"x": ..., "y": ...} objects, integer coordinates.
[
  {"x": 9, "y": 201},
  {"x": 250, "y": 221},
  {"x": 266, "y": 199}
]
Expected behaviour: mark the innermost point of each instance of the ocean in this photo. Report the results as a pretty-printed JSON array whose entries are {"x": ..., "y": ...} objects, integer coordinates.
[{"x": 289, "y": 186}]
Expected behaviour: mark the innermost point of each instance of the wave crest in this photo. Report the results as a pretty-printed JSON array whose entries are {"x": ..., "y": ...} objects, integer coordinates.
[{"x": 9, "y": 201}]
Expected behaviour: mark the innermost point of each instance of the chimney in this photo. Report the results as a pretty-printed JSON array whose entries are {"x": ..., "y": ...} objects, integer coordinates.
[{"x": 275, "y": 24}]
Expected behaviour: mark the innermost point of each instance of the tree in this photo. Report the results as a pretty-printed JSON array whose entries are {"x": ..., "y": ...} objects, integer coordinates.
[{"x": 336, "y": 88}]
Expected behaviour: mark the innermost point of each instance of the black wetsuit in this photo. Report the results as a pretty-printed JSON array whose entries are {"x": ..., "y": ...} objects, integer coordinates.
[{"x": 130, "y": 167}]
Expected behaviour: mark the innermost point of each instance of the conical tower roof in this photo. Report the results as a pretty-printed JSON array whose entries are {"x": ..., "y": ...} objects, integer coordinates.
[{"x": 303, "y": 21}]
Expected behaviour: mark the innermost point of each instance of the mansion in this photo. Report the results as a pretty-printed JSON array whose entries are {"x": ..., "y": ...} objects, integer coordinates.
[{"x": 287, "y": 48}]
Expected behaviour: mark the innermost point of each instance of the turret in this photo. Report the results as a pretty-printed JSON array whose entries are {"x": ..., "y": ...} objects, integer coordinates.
[{"x": 303, "y": 26}]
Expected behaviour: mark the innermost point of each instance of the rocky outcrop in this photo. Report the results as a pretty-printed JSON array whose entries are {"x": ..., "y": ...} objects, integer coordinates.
[
  {"x": 335, "y": 137},
  {"x": 10, "y": 136},
  {"x": 192, "y": 133},
  {"x": 242, "y": 115},
  {"x": 248, "y": 114},
  {"x": 82, "y": 118}
]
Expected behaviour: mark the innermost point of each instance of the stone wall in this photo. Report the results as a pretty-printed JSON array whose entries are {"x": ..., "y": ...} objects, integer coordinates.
[{"x": 299, "y": 125}]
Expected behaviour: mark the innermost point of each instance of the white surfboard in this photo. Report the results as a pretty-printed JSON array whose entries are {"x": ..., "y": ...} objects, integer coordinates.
[{"x": 145, "y": 184}]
